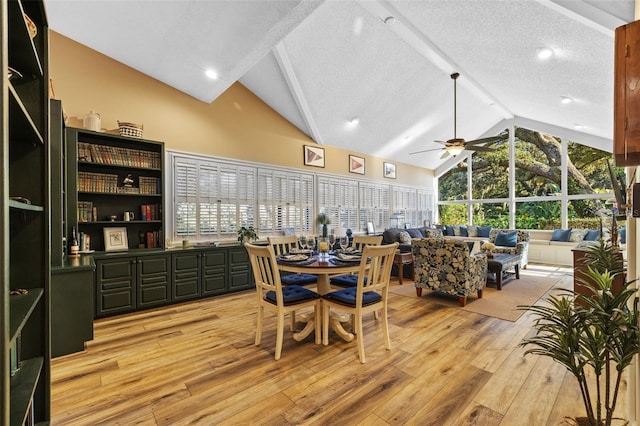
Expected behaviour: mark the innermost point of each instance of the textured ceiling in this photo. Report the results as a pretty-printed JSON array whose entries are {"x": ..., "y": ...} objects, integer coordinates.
[{"x": 321, "y": 63}]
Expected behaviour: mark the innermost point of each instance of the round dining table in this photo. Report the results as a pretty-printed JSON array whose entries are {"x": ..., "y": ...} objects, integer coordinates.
[{"x": 324, "y": 267}]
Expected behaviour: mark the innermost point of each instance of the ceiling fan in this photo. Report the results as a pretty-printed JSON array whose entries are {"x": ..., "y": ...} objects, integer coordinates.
[{"x": 456, "y": 145}]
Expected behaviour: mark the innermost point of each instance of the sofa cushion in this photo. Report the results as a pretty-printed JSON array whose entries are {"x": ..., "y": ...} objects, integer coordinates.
[
  {"x": 592, "y": 235},
  {"x": 561, "y": 235},
  {"x": 414, "y": 233},
  {"x": 404, "y": 237},
  {"x": 464, "y": 231},
  {"x": 506, "y": 239},
  {"x": 450, "y": 231},
  {"x": 390, "y": 236},
  {"x": 622, "y": 233},
  {"x": 472, "y": 231},
  {"x": 577, "y": 235},
  {"x": 483, "y": 231}
]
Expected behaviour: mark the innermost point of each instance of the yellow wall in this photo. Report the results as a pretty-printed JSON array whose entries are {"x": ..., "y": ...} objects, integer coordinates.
[{"x": 237, "y": 125}]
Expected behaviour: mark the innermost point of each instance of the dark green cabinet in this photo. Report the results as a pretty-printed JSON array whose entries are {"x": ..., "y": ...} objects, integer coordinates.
[
  {"x": 214, "y": 272},
  {"x": 124, "y": 284},
  {"x": 72, "y": 305},
  {"x": 153, "y": 280},
  {"x": 240, "y": 275},
  {"x": 115, "y": 286},
  {"x": 187, "y": 280}
]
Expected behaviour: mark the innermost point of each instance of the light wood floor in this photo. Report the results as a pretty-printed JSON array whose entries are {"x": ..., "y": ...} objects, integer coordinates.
[{"x": 195, "y": 363}]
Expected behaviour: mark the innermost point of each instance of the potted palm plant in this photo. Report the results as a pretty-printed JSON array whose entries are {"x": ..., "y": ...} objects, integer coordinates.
[{"x": 594, "y": 334}]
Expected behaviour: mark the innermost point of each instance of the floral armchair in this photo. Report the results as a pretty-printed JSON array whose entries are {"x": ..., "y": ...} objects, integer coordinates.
[
  {"x": 448, "y": 266},
  {"x": 521, "y": 246}
]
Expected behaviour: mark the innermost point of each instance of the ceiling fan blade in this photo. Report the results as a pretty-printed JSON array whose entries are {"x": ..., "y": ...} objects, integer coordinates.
[
  {"x": 445, "y": 154},
  {"x": 426, "y": 150},
  {"x": 485, "y": 140},
  {"x": 480, "y": 148},
  {"x": 442, "y": 142}
]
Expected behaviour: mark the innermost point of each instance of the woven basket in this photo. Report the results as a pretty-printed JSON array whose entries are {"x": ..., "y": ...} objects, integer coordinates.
[{"x": 130, "y": 129}]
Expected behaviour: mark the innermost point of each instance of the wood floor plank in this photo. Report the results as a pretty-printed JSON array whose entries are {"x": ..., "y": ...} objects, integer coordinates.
[{"x": 196, "y": 363}]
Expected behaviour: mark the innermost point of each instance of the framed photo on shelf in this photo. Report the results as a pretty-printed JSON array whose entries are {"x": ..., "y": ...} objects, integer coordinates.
[
  {"x": 313, "y": 156},
  {"x": 389, "y": 170},
  {"x": 115, "y": 239},
  {"x": 356, "y": 164}
]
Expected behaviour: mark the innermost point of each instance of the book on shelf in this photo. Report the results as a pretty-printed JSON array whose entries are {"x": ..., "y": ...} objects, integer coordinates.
[
  {"x": 118, "y": 156},
  {"x": 86, "y": 211}
]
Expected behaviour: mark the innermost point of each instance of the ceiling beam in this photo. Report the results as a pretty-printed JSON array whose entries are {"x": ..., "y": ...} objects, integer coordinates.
[
  {"x": 585, "y": 14},
  {"x": 290, "y": 77},
  {"x": 415, "y": 38}
]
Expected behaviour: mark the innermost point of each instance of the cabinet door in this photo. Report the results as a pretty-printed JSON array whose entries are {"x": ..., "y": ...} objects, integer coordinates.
[
  {"x": 626, "y": 116},
  {"x": 153, "y": 280},
  {"x": 187, "y": 281},
  {"x": 240, "y": 275},
  {"x": 214, "y": 272},
  {"x": 115, "y": 286}
]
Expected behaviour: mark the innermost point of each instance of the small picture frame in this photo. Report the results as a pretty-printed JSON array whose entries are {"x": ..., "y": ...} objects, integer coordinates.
[
  {"x": 389, "y": 170},
  {"x": 115, "y": 239},
  {"x": 356, "y": 164},
  {"x": 313, "y": 156}
]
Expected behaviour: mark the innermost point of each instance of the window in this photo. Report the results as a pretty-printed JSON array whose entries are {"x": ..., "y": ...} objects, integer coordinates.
[
  {"x": 338, "y": 198},
  {"x": 285, "y": 200},
  {"x": 374, "y": 205},
  {"x": 211, "y": 199}
]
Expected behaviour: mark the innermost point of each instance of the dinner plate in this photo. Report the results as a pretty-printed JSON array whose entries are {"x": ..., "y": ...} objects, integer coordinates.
[
  {"x": 294, "y": 257},
  {"x": 343, "y": 257}
]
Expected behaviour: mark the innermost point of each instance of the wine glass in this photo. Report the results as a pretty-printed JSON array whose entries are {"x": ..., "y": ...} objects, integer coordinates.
[
  {"x": 332, "y": 241},
  {"x": 303, "y": 242},
  {"x": 311, "y": 242},
  {"x": 343, "y": 242}
]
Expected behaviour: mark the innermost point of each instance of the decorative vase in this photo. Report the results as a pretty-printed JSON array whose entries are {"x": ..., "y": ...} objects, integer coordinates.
[{"x": 324, "y": 231}]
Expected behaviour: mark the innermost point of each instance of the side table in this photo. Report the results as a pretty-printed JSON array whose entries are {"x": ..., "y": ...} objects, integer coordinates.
[{"x": 401, "y": 259}]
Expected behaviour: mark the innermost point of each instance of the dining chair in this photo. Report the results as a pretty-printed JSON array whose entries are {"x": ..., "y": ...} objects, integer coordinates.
[
  {"x": 369, "y": 295},
  {"x": 359, "y": 241},
  {"x": 283, "y": 245},
  {"x": 274, "y": 297}
]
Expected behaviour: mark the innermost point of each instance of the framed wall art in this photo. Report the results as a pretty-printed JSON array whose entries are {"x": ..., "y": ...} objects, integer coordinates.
[
  {"x": 313, "y": 156},
  {"x": 356, "y": 164},
  {"x": 115, "y": 239},
  {"x": 389, "y": 170}
]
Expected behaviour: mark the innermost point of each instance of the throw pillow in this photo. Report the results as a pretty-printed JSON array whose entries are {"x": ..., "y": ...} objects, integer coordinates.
[
  {"x": 464, "y": 231},
  {"x": 472, "y": 231},
  {"x": 404, "y": 237},
  {"x": 483, "y": 231},
  {"x": 561, "y": 235},
  {"x": 622, "y": 235},
  {"x": 456, "y": 231},
  {"x": 506, "y": 239},
  {"x": 577, "y": 235},
  {"x": 414, "y": 233},
  {"x": 450, "y": 230},
  {"x": 592, "y": 235}
]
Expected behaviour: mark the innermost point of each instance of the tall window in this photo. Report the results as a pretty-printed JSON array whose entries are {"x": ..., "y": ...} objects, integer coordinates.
[
  {"x": 374, "y": 205},
  {"x": 212, "y": 200},
  {"x": 555, "y": 184},
  {"x": 338, "y": 198},
  {"x": 285, "y": 200}
]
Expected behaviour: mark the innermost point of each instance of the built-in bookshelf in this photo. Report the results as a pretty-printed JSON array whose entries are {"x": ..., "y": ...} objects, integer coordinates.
[
  {"x": 25, "y": 207},
  {"x": 118, "y": 182}
]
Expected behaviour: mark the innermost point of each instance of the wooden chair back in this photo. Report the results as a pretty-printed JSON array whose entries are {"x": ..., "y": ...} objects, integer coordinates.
[
  {"x": 359, "y": 241},
  {"x": 283, "y": 244}
]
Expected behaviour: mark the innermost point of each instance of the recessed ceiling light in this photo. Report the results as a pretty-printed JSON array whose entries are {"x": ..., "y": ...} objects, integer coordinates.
[
  {"x": 578, "y": 126},
  {"x": 353, "y": 122},
  {"x": 390, "y": 20},
  {"x": 544, "y": 53},
  {"x": 565, "y": 100},
  {"x": 211, "y": 74}
]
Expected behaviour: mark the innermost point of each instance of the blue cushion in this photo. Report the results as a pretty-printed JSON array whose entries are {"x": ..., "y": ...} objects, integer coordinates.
[
  {"x": 450, "y": 230},
  {"x": 348, "y": 297},
  {"x": 292, "y": 294},
  {"x": 622, "y": 234},
  {"x": 415, "y": 233},
  {"x": 561, "y": 235},
  {"x": 507, "y": 239},
  {"x": 463, "y": 231},
  {"x": 483, "y": 231},
  {"x": 592, "y": 235},
  {"x": 346, "y": 280},
  {"x": 298, "y": 279}
]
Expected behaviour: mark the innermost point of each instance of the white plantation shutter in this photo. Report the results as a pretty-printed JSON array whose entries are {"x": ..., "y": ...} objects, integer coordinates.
[
  {"x": 185, "y": 178},
  {"x": 285, "y": 200},
  {"x": 424, "y": 205},
  {"x": 374, "y": 205},
  {"x": 338, "y": 198}
]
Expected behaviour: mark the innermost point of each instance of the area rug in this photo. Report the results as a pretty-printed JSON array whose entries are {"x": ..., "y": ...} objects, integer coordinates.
[{"x": 498, "y": 304}]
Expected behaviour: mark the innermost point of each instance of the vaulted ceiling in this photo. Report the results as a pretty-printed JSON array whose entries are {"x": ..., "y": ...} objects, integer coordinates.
[{"x": 321, "y": 64}]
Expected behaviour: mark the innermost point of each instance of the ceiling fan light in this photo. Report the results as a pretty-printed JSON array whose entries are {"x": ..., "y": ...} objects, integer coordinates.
[{"x": 454, "y": 150}]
